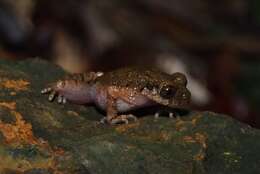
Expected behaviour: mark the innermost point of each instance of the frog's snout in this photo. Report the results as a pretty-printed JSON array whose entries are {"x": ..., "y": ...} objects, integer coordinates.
[{"x": 183, "y": 95}]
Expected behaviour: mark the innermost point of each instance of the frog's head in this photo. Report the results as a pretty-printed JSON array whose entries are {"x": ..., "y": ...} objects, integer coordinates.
[{"x": 171, "y": 92}]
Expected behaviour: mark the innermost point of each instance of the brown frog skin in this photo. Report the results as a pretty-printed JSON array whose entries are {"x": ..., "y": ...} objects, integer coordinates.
[{"x": 122, "y": 90}]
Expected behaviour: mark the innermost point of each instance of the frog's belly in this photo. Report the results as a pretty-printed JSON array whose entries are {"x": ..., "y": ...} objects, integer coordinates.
[{"x": 124, "y": 106}]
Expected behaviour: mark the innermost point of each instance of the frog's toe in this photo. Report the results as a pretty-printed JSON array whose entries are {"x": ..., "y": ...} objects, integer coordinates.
[
  {"x": 131, "y": 117},
  {"x": 114, "y": 121},
  {"x": 50, "y": 92},
  {"x": 173, "y": 115},
  {"x": 124, "y": 119},
  {"x": 157, "y": 115},
  {"x": 103, "y": 120},
  {"x": 46, "y": 90},
  {"x": 52, "y": 95},
  {"x": 60, "y": 99},
  {"x": 64, "y": 100},
  {"x": 119, "y": 121}
]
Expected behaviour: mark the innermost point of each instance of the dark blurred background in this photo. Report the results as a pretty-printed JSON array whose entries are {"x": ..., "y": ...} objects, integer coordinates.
[{"x": 216, "y": 43}]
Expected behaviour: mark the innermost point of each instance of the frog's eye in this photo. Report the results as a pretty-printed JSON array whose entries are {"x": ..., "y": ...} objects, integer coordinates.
[
  {"x": 167, "y": 92},
  {"x": 179, "y": 79}
]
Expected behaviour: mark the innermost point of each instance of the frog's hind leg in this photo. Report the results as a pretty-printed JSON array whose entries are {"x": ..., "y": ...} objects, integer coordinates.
[
  {"x": 113, "y": 117},
  {"x": 112, "y": 110}
]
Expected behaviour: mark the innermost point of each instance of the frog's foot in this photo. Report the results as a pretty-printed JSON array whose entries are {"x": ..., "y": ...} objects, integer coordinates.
[
  {"x": 52, "y": 94},
  {"x": 121, "y": 119},
  {"x": 170, "y": 115}
]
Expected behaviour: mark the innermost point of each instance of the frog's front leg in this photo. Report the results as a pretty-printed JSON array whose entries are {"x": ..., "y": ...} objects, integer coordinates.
[
  {"x": 112, "y": 110},
  {"x": 170, "y": 114}
]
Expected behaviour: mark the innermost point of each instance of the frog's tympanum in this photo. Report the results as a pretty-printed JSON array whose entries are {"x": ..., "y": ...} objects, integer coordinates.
[{"x": 122, "y": 90}]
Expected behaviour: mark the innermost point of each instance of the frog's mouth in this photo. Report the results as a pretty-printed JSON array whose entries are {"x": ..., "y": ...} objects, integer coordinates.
[{"x": 180, "y": 100}]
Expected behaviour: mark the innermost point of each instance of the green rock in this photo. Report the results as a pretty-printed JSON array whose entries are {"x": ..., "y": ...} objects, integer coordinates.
[{"x": 37, "y": 136}]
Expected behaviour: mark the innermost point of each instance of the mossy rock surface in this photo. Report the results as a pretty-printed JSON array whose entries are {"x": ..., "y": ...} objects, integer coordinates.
[{"x": 39, "y": 137}]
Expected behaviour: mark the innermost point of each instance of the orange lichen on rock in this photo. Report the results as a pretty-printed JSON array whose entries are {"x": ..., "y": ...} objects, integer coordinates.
[
  {"x": 18, "y": 133},
  {"x": 180, "y": 124},
  {"x": 73, "y": 113},
  {"x": 189, "y": 139},
  {"x": 164, "y": 136},
  {"x": 9, "y": 105},
  {"x": 123, "y": 128},
  {"x": 13, "y": 93},
  {"x": 199, "y": 156},
  {"x": 197, "y": 138},
  {"x": 202, "y": 139},
  {"x": 8, "y": 163},
  {"x": 195, "y": 119},
  {"x": 17, "y": 85}
]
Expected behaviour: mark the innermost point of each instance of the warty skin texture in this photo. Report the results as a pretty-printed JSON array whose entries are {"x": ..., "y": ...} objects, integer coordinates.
[{"x": 122, "y": 90}]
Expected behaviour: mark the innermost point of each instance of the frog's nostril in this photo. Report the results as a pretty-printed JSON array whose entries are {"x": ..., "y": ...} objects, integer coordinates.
[
  {"x": 186, "y": 95},
  {"x": 183, "y": 94}
]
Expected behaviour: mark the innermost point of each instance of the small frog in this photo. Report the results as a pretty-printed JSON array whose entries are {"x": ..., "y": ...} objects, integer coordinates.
[{"x": 122, "y": 90}]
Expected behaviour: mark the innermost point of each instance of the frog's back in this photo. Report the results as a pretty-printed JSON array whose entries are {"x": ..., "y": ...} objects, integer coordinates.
[{"x": 134, "y": 77}]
